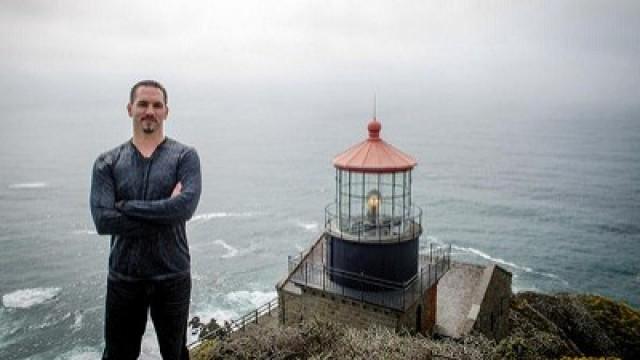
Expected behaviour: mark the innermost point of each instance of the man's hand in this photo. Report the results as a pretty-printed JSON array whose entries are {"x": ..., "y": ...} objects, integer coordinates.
[{"x": 176, "y": 190}]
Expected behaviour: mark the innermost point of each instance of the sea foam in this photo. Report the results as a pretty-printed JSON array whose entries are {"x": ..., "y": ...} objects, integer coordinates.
[
  {"x": 84, "y": 232},
  {"x": 491, "y": 258},
  {"x": 77, "y": 321},
  {"x": 221, "y": 315},
  {"x": 31, "y": 185},
  {"x": 235, "y": 304},
  {"x": 308, "y": 226},
  {"x": 208, "y": 216},
  {"x": 250, "y": 298},
  {"x": 81, "y": 353},
  {"x": 231, "y": 251},
  {"x": 26, "y": 298}
]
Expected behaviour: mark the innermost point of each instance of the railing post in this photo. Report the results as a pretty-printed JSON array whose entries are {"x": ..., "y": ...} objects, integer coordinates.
[
  {"x": 413, "y": 227},
  {"x": 361, "y": 282},
  {"x": 403, "y": 299},
  {"x": 306, "y": 273},
  {"x": 324, "y": 270},
  {"x": 430, "y": 252},
  {"x": 325, "y": 218}
]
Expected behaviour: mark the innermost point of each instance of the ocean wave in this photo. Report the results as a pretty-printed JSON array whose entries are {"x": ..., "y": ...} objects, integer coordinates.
[
  {"x": 491, "y": 258},
  {"x": 500, "y": 261},
  {"x": 208, "y": 216},
  {"x": 50, "y": 320},
  {"x": 26, "y": 298},
  {"x": 84, "y": 232},
  {"x": 308, "y": 226},
  {"x": 77, "y": 321},
  {"x": 221, "y": 315},
  {"x": 434, "y": 240},
  {"x": 8, "y": 328},
  {"x": 244, "y": 298},
  {"x": 233, "y": 305},
  {"x": 81, "y": 353},
  {"x": 30, "y": 185},
  {"x": 231, "y": 251}
]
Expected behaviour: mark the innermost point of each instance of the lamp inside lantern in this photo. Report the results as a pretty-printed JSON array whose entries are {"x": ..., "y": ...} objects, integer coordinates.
[{"x": 373, "y": 205}]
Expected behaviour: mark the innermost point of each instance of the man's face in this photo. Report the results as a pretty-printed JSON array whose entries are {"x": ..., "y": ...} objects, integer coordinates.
[{"x": 148, "y": 110}]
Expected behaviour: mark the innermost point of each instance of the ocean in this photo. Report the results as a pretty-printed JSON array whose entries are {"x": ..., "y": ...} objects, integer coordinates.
[{"x": 553, "y": 199}]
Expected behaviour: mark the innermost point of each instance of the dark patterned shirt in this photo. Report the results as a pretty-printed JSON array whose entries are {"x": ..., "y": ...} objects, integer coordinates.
[{"x": 131, "y": 200}]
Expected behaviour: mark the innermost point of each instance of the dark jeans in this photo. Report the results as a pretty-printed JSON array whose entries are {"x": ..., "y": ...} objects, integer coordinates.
[{"x": 128, "y": 304}]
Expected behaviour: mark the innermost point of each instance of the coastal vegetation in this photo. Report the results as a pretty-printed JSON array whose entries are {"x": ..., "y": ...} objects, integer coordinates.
[{"x": 562, "y": 326}]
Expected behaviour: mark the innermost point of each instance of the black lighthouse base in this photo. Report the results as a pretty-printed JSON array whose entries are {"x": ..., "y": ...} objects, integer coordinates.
[{"x": 372, "y": 266}]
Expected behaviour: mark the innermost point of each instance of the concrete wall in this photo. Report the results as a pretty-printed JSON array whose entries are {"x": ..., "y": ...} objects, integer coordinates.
[
  {"x": 489, "y": 311},
  {"x": 310, "y": 303},
  {"x": 297, "y": 304}
]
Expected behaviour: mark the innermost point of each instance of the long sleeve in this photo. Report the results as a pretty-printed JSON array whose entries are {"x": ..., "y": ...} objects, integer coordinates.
[
  {"x": 172, "y": 210},
  {"x": 107, "y": 219}
]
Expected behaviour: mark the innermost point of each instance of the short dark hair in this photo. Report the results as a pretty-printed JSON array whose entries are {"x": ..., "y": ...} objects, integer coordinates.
[{"x": 151, "y": 83}]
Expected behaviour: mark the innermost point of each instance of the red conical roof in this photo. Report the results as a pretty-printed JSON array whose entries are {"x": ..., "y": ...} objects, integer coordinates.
[{"x": 374, "y": 155}]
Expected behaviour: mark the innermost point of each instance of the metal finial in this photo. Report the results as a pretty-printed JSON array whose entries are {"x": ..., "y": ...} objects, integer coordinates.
[{"x": 375, "y": 107}]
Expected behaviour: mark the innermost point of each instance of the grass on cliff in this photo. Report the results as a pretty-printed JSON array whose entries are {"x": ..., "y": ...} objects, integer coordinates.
[
  {"x": 317, "y": 340},
  {"x": 618, "y": 320}
]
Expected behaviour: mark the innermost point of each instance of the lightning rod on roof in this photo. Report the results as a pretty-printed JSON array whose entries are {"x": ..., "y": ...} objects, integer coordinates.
[{"x": 375, "y": 107}]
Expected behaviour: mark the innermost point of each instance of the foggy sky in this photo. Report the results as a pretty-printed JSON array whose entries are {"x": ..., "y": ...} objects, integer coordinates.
[{"x": 502, "y": 53}]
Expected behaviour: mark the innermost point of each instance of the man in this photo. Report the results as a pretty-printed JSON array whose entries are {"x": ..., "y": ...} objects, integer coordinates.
[{"x": 142, "y": 193}]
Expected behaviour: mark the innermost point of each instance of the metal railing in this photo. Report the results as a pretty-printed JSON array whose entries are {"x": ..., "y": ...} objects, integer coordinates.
[
  {"x": 396, "y": 295},
  {"x": 240, "y": 323},
  {"x": 382, "y": 228}
]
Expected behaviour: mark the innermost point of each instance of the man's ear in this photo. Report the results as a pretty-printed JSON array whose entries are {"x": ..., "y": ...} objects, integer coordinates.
[
  {"x": 167, "y": 114},
  {"x": 129, "y": 109}
]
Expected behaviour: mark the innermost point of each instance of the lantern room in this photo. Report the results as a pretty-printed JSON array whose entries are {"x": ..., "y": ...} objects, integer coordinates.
[{"x": 373, "y": 227}]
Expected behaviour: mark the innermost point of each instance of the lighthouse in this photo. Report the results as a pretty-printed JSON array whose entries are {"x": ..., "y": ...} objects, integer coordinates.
[
  {"x": 372, "y": 229},
  {"x": 368, "y": 266}
]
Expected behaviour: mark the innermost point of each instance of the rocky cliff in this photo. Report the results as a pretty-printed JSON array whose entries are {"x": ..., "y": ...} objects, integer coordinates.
[{"x": 542, "y": 326}]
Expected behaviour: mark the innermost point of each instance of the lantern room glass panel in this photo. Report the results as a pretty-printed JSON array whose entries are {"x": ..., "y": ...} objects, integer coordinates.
[{"x": 367, "y": 200}]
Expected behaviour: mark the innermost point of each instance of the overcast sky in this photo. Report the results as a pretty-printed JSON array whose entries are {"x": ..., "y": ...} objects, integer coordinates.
[{"x": 536, "y": 53}]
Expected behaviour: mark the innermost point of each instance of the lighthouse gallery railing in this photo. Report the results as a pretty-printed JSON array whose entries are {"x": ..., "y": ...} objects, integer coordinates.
[
  {"x": 383, "y": 228},
  {"x": 390, "y": 294}
]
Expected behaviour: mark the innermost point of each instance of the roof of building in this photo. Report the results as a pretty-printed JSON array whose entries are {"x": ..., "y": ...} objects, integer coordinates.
[{"x": 374, "y": 155}]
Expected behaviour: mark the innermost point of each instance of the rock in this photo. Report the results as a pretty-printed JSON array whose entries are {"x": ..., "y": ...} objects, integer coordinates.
[{"x": 552, "y": 326}]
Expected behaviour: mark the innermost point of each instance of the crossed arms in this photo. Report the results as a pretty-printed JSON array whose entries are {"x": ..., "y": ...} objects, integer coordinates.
[{"x": 140, "y": 217}]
